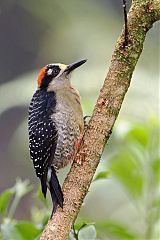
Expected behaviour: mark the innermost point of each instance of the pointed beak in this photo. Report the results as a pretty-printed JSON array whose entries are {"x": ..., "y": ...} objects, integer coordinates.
[{"x": 74, "y": 65}]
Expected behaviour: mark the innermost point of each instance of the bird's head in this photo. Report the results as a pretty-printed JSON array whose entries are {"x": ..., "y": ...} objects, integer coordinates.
[{"x": 56, "y": 74}]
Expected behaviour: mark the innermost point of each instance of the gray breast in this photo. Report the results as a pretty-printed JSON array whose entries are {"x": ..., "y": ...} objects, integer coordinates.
[{"x": 67, "y": 125}]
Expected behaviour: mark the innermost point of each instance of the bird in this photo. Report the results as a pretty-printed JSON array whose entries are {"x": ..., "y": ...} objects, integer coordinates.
[{"x": 55, "y": 126}]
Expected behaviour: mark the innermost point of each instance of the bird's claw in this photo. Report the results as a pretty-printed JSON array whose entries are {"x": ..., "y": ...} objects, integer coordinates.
[{"x": 81, "y": 158}]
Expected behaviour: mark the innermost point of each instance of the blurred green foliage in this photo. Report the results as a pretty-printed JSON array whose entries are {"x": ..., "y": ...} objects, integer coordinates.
[
  {"x": 135, "y": 164},
  {"x": 125, "y": 187}
]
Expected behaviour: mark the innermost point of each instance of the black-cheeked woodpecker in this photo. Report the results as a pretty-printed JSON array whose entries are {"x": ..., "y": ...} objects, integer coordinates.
[{"x": 55, "y": 126}]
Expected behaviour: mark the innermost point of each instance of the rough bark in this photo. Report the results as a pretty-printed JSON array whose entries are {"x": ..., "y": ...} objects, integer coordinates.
[{"x": 142, "y": 15}]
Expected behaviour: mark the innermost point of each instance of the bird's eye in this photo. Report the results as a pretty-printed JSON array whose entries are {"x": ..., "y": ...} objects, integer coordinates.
[
  {"x": 55, "y": 71},
  {"x": 52, "y": 72}
]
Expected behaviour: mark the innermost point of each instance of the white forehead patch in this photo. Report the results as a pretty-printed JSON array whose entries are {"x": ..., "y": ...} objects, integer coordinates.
[
  {"x": 49, "y": 72},
  {"x": 62, "y": 66}
]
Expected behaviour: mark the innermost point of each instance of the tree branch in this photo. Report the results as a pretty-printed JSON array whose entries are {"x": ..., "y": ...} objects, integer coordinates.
[{"x": 142, "y": 15}]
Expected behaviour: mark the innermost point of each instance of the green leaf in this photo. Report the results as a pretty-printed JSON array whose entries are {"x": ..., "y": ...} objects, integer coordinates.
[
  {"x": 128, "y": 171},
  {"x": 27, "y": 230},
  {"x": 116, "y": 230},
  {"x": 81, "y": 224},
  {"x": 4, "y": 200},
  {"x": 9, "y": 232},
  {"x": 19, "y": 231},
  {"x": 101, "y": 175},
  {"x": 139, "y": 133},
  {"x": 155, "y": 164},
  {"x": 80, "y": 233},
  {"x": 87, "y": 233}
]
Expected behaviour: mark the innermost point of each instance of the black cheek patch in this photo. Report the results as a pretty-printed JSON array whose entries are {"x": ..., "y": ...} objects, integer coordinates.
[
  {"x": 46, "y": 81},
  {"x": 51, "y": 72}
]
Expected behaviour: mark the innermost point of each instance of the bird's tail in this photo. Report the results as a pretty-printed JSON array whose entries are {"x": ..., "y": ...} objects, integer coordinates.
[{"x": 54, "y": 188}]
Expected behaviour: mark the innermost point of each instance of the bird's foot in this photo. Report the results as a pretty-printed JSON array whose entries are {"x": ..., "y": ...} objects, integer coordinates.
[
  {"x": 77, "y": 146},
  {"x": 81, "y": 158}
]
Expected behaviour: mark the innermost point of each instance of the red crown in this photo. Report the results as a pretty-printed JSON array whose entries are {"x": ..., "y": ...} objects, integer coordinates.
[{"x": 41, "y": 76}]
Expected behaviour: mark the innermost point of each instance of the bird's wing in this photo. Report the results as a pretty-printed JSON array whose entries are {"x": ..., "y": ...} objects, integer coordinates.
[{"x": 42, "y": 132}]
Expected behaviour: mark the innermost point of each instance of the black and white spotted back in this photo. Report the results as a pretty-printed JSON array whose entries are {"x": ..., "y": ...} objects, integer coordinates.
[{"x": 42, "y": 132}]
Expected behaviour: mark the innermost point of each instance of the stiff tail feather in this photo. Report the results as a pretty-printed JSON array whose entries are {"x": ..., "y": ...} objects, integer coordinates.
[
  {"x": 51, "y": 181},
  {"x": 55, "y": 191}
]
